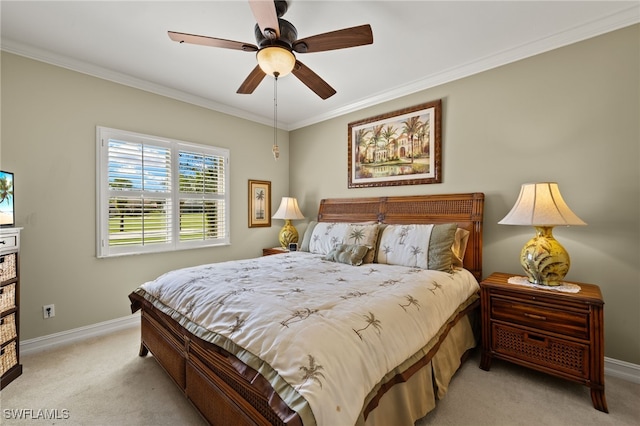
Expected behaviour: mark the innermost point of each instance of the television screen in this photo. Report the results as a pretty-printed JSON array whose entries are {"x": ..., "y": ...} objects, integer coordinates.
[{"x": 7, "y": 214}]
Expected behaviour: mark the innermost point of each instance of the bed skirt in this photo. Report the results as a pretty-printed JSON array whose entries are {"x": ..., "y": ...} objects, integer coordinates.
[{"x": 410, "y": 393}]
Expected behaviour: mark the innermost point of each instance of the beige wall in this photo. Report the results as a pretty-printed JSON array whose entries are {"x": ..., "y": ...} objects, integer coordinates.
[
  {"x": 569, "y": 115},
  {"x": 49, "y": 118}
]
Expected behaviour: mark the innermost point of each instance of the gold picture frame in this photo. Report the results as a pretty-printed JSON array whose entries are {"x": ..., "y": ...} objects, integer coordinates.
[
  {"x": 259, "y": 203},
  {"x": 398, "y": 148}
]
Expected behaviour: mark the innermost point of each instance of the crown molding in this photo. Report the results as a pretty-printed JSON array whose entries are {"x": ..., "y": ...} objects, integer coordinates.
[
  {"x": 62, "y": 61},
  {"x": 615, "y": 21}
]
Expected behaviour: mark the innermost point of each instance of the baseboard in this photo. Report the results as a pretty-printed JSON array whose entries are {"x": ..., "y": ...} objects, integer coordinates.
[
  {"x": 612, "y": 367},
  {"x": 622, "y": 369},
  {"x": 78, "y": 334}
]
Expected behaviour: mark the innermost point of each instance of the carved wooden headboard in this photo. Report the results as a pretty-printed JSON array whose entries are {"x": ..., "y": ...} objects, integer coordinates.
[{"x": 464, "y": 209}]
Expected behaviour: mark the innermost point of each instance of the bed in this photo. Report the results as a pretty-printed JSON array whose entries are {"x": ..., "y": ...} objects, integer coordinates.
[{"x": 347, "y": 339}]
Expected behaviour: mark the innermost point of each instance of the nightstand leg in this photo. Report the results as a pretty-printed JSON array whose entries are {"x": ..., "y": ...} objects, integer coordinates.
[
  {"x": 485, "y": 361},
  {"x": 599, "y": 400}
]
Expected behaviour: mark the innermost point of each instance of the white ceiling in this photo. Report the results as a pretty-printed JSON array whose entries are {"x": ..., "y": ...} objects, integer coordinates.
[{"x": 417, "y": 45}]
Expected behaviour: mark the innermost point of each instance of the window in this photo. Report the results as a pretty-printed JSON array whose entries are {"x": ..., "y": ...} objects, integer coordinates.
[{"x": 157, "y": 194}]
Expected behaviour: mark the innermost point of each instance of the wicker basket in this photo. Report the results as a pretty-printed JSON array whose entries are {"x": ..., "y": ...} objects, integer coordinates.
[
  {"x": 8, "y": 328},
  {"x": 7, "y": 267},
  {"x": 7, "y": 297},
  {"x": 8, "y": 357}
]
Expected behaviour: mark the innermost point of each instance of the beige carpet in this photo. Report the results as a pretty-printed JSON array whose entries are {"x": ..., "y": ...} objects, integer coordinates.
[{"x": 102, "y": 381}]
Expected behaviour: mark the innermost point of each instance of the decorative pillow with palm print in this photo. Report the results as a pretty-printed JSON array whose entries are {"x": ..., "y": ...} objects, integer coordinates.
[
  {"x": 364, "y": 235},
  {"x": 326, "y": 235},
  {"x": 420, "y": 246},
  {"x": 350, "y": 254}
]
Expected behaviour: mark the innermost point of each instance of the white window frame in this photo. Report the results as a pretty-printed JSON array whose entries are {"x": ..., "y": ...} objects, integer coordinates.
[{"x": 103, "y": 249}]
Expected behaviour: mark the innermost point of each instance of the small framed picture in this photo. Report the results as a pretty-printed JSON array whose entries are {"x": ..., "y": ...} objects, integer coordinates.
[
  {"x": 259, "y": 203},
  {"x": 293, "y": 246}
]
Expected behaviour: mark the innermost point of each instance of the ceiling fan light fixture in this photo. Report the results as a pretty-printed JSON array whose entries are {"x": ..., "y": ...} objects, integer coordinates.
[{"x": 276, "y": 59}]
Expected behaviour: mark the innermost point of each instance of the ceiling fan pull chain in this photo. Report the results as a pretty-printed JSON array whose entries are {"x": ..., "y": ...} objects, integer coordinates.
[{"x": 275, "y": 149}]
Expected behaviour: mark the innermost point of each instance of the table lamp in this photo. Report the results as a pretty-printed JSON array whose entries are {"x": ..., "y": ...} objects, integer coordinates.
[
  {"x": 540, "y": 205},
  {"x": 288, "y": 211}
]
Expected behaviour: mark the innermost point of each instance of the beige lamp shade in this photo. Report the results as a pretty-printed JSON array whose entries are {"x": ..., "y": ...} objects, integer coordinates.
[
  {"x": 543, "y": 258},
  {"x": 541, "y": 204},
  {"x": 288, "y": 211},
  {"x": 276, "y": 60}
]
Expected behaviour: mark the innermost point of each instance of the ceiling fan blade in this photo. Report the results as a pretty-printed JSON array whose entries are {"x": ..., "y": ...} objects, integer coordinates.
[
  {"x": 340, "y": 39},
  {"x": 212, "y": 41},
  {"x": 252, "y": 81},
  {"x": 312, "y": 80},
  {"x": 265, "y": 13}
]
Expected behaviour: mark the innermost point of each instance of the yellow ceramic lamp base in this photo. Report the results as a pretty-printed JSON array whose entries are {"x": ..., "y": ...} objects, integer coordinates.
[
  {"x": 543, "y": 258},
  {"x": 288, "y": 234}
]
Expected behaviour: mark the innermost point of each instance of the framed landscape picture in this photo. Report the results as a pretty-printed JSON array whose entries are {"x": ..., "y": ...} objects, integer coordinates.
[
  {"x": 259, "y": 203},
  {"x": 398, "y": 148}
]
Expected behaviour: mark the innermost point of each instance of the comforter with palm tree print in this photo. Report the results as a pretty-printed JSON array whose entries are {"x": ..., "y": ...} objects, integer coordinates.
[{"x": 323, "y": 333}]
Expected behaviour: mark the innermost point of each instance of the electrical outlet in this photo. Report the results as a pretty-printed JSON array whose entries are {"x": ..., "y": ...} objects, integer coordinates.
[{"x": 48, "y": 311}]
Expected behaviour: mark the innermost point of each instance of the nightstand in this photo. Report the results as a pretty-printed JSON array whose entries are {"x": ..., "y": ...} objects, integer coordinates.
[
  {"x": 273, "y": 250},
  {"x": 550, "y": 331}
]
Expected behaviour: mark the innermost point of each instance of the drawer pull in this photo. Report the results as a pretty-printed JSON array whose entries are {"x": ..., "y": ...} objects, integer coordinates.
[
  {"x": 534, "y": 316},
  {"x": 536, "y": 339}
]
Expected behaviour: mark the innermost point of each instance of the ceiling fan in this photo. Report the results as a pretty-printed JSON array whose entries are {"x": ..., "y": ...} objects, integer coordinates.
[{"x": 277, "y": 41}]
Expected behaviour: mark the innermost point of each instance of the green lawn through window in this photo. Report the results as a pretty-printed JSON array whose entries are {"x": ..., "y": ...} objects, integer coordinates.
[{"x": 131, "y": 229}]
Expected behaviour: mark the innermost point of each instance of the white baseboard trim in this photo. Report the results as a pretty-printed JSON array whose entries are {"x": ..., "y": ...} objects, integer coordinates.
[
  {"x": 612, "y": 367},
  {"x": 78, "y": 334},
  {"x": 622, "y": 369}
]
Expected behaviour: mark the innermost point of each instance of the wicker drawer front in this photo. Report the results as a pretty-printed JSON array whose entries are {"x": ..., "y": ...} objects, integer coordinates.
[
  {"x": 570, "y": 323},
  {"x": 555, "y": 354},
  {"x": 7, "y": 297},
  {"x": 7, "y": 267},
  {"x": 8, "y": 329},
  {"x": 8, "y": 357}
]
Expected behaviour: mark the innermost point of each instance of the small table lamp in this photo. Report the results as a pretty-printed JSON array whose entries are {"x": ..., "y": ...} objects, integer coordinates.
[
  {"x": 288, "y": 211},
  {"x": 543, "y": 258}
]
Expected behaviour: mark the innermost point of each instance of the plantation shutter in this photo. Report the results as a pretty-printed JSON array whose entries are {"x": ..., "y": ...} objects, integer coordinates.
[
  {"x": 139, "y": 176},
  {"x": 202, "y": 196}
]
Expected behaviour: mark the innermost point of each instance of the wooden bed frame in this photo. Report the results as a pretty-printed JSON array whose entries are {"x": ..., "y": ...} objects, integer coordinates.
[{"x": 228, "y": 392}]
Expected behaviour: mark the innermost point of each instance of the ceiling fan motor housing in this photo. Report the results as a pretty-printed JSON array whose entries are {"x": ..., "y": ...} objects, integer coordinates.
[{"x": 288, "y": 35}]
